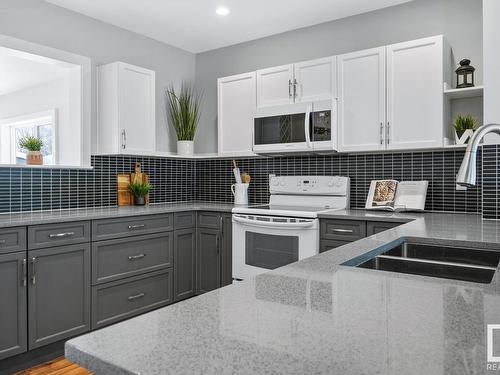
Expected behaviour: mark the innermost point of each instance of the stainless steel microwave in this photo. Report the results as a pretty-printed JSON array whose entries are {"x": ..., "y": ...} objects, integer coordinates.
[{"x": 296, "y": 128}]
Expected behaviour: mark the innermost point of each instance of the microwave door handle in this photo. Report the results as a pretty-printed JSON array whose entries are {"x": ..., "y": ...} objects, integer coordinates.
[
  {"x": 307, "y": 126},
  {"x": 270, "y": 224}
]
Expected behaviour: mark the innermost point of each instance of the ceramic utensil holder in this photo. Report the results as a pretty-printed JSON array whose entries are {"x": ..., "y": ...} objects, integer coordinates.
[{"x": 240, "y": 192}]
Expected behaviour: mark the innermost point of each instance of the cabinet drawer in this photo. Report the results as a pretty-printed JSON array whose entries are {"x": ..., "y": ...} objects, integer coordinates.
[
  {"x": 12, "y": 239},
  {"x": 374, "y": 227},
  {"x": 130, "y": 226},
  {"x": 48, "y": 235},
  {"x": 184, "y": 220},
  {"x": 116, "y": 259},
  {"x": 345, "y": 230},
  {"x": 209, "y": 220},
  {"x": 119, "y": 300},
  {"x": 325, "y": 245}
]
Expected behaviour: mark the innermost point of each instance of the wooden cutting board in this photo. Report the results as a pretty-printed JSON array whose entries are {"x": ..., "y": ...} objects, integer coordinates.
[{"x": 125, "y": 198}]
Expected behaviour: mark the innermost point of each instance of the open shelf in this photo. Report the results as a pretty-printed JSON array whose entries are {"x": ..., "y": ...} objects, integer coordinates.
[{"x": 469, "y": 92}]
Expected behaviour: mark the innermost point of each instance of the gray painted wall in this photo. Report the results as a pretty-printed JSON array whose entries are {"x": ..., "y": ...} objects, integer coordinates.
[
  {"x": 459, "y": 20},
  {"x": 40, "y": 22}
]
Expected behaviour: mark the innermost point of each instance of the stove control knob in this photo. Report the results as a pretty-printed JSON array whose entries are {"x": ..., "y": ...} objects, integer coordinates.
[
  {"x": 282, "y": 183},
  {"x": 275, "y": 182},
  {"x": 331, "y": 183}
]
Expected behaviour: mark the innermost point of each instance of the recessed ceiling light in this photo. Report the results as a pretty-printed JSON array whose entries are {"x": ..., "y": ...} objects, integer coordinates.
[{"x": 222, "y": 11}]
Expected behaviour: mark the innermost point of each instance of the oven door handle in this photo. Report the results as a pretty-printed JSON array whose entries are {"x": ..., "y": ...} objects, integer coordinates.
[{"x": 271, "y": 224}]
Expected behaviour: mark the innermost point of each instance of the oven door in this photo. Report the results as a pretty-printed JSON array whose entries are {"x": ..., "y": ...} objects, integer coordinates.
[{"x": 263, "y": 243}]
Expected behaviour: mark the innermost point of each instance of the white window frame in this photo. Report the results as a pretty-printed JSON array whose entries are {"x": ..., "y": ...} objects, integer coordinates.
[{"x": 27, "y": 121}]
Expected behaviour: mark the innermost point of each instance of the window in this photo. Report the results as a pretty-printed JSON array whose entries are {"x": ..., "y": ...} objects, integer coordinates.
[{"x": 41, "y": 125}]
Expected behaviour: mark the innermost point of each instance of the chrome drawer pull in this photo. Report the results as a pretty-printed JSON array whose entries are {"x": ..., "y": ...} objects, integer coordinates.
[
  {"x": 137, "y": 226},
  {"x": 343, "y": 230},
  {"x": 137, "y": 296},
  {"x": 60, "y": 235},
  {"x": 135, "y": 257}
]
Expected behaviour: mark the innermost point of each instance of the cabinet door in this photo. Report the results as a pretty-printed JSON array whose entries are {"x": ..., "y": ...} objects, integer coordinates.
[
  {"x": 208, "y": 260},
  {"x": 59, "y": 293},
  {"x": 415, "y": 94},
  {"x": 184, "y": 264},
  {"x": 13, "y": 339},
  {"x": 137, "y": 109},
  {"x": 236, "y": 100},
  {"x": 275, "y": 86},
  {"x": 361, "y": 96},
  {"x": 227, "y": 250},
  {"x": 315, "y": 80}
]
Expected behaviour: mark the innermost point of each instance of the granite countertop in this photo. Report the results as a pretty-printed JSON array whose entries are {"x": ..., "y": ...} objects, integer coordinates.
[
  {"x": 58, "y": 216},
  {"x": 317, "y": 316}
]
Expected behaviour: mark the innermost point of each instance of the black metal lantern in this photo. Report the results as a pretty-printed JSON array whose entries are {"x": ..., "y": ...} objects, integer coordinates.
[{"x": 465, "y": 74}]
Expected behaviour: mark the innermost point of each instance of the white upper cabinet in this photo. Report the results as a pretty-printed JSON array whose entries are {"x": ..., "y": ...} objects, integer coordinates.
[
  {"x": 315, "y": 80},
  {"x": 126, "y": 109},
  {"x": 236, "y": 105},
  {"x": 275, "y": 86},
  {"x": 361, "y": 100},
  {"x": 415, "y": 94},
  {"x": 307, "y": 81}
]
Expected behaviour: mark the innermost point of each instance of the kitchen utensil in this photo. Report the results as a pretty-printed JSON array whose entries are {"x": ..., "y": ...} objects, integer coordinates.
[
  {"x": 138, "y": 176},
  {"x": 240, "y": 192},
  {"x": 245, "y": 178},
  {"x": 124, "y": 198},
  {"x": 236, "y": 172}
]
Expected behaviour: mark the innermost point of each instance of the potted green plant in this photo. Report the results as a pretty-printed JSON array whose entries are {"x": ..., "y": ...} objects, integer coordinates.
[
  {"x": 184, "y": 113},
  {"x": 464, "y": 128},
  {"x": 139, "y": 190},
  {"x": 33, "y": 146}
]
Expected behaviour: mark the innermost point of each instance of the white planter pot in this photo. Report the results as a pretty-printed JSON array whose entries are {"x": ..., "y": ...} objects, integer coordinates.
[
  {"x": 185, "y": 148},
  {"x": 464, "y": 138}
]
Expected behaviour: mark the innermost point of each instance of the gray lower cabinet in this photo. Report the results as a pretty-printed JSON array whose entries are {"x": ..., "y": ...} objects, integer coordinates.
[
  {"x": 184, "y": 263},
  {"x": 13, "y": 339},
  {"x": 208, "y": 262},
  {"x": 374, "y": 227},
  {"x": 12, "y": 240},
  {"x": 118, "y": 300},
  {"x": 227, "y": 250},
  {"x": 325, "y": 245},
  {"x": 58, "y": 293},
  {"x": 124, "y": 257}
]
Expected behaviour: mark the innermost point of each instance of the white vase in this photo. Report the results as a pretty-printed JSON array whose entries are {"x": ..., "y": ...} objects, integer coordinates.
[
  {"x": 464, "y": 138},
  {"x": 185, "y": 148}
]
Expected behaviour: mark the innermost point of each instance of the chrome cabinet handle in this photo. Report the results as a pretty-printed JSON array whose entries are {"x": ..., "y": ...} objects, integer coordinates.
[
  {"x": 289, "y": 88},
  {"x": 388, "y": 133},
  {"x": 124, "y": 139},
  {"x": 137, "y": 296},
  {"x": 25, "y": 272},
  {"x": 217, "y": 244},
  {"x": 295, "y": 88},
  {"x": 135, "y": 257},
  {"x": 60, "y": 235},
  {"x": 338, "y": 230},
  {"x": 137, "y": 226},
  {"x": 381, "y": 133},
  {"x": 33, "y": 271}
]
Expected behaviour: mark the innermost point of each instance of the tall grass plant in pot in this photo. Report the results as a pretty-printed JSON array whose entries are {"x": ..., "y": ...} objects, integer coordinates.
[{"x": 184, "y": 114}]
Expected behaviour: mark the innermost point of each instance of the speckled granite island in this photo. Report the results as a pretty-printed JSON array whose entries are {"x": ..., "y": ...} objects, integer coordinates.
[{"x": 317, "y": 316}]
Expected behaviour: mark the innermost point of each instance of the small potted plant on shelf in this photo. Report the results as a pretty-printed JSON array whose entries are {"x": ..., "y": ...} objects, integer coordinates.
[
  {"x": 184, "y": 113},
  {"x": 464, "y": 128},
  {"x": 139, "y": 190},
  {"x": 33, "y": 147}
]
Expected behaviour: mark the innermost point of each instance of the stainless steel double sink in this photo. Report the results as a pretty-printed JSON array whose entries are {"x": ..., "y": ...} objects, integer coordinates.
[{"x": 443, "y": 261}]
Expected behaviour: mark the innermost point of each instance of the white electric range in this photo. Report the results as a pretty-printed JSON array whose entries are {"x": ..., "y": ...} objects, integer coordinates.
[{"x": 286, "y": 230}]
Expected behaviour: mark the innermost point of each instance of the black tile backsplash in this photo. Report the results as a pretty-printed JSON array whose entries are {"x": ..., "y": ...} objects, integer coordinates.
[
  {"x": 177, "y": 180},
  {"x": 214, "y": 177}
]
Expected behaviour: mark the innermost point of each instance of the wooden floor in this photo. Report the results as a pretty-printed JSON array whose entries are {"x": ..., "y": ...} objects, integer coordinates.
[{"x": 59, "y": 366}]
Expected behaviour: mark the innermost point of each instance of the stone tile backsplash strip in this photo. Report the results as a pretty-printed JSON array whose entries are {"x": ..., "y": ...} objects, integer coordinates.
[{"x": 175, "y": 180}]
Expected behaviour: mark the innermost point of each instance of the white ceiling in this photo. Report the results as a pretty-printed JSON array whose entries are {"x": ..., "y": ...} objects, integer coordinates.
[
  {"x": 194, "y": 26},
  {"x": 21, "y": 70}
]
